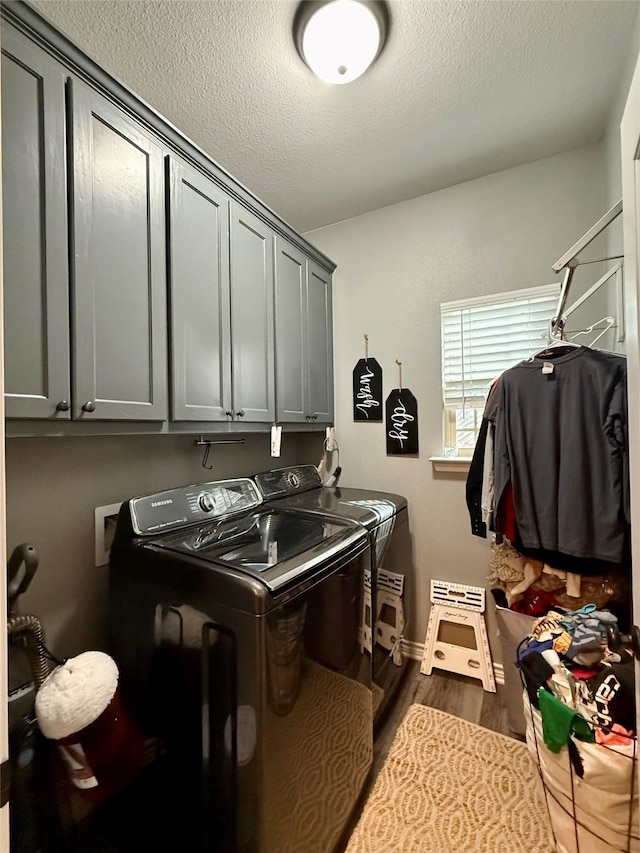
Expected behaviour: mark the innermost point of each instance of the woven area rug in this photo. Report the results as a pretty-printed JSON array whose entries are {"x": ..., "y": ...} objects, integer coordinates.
[{"x": 449, "y": 786}]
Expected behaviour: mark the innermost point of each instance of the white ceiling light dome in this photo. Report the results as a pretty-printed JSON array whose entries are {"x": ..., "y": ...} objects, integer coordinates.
[{"x": 339, "y": 39}]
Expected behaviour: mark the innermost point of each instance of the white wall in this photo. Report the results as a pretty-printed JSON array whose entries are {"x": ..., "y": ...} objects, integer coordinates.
[
  {"x": 394, "y": 268},
  {"x": 611, "y": 141},
  {"x": 54, "y": 485},
  {"x": 611, "y": 149}
]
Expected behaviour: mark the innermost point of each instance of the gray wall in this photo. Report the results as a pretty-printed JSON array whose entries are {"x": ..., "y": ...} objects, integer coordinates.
[
  {"x": 54, "y": 485},
  {"x": 395, "y": 266}
]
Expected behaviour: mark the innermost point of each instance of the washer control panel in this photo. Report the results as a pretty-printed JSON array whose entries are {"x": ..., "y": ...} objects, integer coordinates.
[
  {"x": 288, "y": 481},
  {"x": 207, "y": 501},
  {"x": 170, "y": 510}
]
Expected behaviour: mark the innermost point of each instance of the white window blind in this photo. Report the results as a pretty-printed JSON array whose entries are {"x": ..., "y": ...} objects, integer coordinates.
[{"x": 483, "y": 337}]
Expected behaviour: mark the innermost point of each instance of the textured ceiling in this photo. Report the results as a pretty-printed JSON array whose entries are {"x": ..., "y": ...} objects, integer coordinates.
[{"x": 463, "y": 88}]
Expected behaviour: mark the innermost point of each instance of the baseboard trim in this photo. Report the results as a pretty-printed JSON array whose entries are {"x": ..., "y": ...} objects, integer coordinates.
[
  {"x": 415, "y": 651},
  {"x": 412, "y": 650}
]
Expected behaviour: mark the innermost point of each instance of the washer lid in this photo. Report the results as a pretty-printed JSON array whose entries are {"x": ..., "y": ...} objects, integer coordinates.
[
  {"x": 274, "y": 546},
  {"x": 299, "y": 488},
  {"x": 367, "y": 507}
]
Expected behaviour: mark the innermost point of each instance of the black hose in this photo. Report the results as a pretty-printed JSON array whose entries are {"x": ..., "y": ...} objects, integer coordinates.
[{"x": 29, "y": 628}]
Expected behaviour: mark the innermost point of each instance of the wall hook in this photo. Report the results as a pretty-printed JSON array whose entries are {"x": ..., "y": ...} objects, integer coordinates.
[
  {"x": 201, "y": 441},
  {"x": 366, "y": 347},
  {"x": 399, "y": 363}
]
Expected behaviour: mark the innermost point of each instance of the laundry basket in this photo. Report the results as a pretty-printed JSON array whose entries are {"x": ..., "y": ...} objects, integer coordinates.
[{"x": 596, "y": 812}]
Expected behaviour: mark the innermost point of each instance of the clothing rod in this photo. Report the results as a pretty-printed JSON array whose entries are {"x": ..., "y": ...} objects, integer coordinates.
[
  {"x": 590, "y": 235},
  {"x": 601, "y": 260}
]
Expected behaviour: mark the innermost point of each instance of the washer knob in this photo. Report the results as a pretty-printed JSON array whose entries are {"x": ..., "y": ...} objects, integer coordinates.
[
  {"x": 206, "y": 502},
  {"x": 293, "y": 480}
]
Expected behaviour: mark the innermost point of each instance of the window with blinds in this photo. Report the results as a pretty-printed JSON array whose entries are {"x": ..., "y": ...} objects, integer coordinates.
[{"x": 480, "y": 339}]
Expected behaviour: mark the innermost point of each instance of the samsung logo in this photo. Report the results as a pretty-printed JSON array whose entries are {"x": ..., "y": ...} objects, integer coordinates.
[{"x": 161, "y": 503}]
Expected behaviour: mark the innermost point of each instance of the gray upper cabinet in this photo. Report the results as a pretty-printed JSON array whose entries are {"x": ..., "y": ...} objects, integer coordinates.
[
  {"x": 252, "y": 319},
  {"x": 304, "y": 360},
  {"x": 36, "y": 278},
  {"x": 320, "y": 341},
  {"x": 221, "y": 304},
  {"x": 118, "y": 274},
  {"x": 291, "y": 333},
  {"x": 103, "y": 201},
  {"x": 199, "y": 296}
]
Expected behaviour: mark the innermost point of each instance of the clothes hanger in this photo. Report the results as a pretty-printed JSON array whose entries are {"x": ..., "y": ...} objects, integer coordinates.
[
  {"x": 557, "y": 344},
  {"x": 610, "y": 321},
  {"x": 560, "y": 346},
  {"x": 610, "y": 325}
]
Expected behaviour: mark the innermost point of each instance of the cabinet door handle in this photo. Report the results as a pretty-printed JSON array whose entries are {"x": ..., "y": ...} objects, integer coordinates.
[
  {"x": 240, "y": 414},
  {"x": 229, "y": 414},
  {"x": 307, "y": 417},
  {"x": 314, "y": 417},
  {"x": 63, "y": 406},
  {"x": 89, "y": 406}
]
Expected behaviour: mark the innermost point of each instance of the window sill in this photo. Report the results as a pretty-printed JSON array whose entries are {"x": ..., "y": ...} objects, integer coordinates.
[{"x": 450, "y": 464}]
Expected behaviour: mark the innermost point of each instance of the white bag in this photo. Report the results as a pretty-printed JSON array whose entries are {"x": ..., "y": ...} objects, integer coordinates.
[{"x": 589, "y": 814}]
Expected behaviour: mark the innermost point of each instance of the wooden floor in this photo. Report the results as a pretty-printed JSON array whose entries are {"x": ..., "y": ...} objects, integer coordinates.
[{"x": 454, "y": 694}]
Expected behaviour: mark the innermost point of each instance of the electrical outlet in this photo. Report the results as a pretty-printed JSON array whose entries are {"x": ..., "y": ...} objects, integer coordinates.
[{"x": 105, "y": 526}]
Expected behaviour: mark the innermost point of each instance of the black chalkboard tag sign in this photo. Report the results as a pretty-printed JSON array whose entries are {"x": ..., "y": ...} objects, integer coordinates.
[
  {"x": 367, "y": 390},
  {"x": 401, "y": 411}
]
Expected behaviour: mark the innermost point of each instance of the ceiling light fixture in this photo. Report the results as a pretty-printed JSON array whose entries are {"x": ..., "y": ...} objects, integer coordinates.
[{"x": 339, "y": 39}]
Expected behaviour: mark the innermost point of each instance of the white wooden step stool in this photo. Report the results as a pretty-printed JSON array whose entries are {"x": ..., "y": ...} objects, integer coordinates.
[{"x": 458, "y": 605}]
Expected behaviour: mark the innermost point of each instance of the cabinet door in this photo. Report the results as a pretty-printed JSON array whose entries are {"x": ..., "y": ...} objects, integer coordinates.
[
  {"x": 320, "y": 325},
  {"x": 119, "y": 286},
  {"x": 199, "y": 288},
  {"x": 36, "y": 277},
  {"x": 252, "y": 317},
  {"x": 291, "y": 333}
]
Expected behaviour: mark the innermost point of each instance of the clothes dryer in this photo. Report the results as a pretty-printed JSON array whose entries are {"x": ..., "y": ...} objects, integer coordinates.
[{"x": 389, "y": 581}]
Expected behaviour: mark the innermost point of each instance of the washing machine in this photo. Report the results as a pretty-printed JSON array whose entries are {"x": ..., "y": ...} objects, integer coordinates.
[
  {"x": 389, "y": 583},
  {"x": 237, "y": 629}
]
